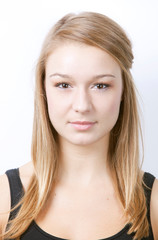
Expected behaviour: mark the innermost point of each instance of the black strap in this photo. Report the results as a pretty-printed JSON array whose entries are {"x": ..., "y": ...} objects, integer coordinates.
[
  {"x": 16, "y": 189},
  {"x": 149, "y": 181}
]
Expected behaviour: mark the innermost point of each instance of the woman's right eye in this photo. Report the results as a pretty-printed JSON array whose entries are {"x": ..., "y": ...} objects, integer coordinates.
[{"x": 62, "y": 85}]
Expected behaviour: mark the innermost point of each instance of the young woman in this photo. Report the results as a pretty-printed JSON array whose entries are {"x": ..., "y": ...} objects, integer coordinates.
[{"x": 85, "y": 179}]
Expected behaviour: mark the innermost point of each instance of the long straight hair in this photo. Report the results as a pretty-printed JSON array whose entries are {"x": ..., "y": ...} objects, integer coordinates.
[{"x": 97, "y": 30}]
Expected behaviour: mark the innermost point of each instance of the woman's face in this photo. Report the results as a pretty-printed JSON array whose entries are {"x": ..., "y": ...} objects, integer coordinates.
[{"x": 84, "y": 89}]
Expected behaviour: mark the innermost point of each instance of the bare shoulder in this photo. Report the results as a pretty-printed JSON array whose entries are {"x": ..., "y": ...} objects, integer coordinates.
[
  {"x": 154, "y": 208},
  {"x": 4, "y": 201}
]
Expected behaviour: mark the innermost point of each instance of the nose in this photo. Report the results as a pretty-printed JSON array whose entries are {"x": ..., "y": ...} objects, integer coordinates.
[{"x": 81, "y": 101}]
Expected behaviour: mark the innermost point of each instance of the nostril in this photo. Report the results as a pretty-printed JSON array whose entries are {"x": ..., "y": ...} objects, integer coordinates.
[{"x": 81, "y": 102}]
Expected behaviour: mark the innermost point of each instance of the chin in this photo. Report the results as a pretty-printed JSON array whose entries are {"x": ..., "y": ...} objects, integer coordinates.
[{"x": 83, "y": 142}]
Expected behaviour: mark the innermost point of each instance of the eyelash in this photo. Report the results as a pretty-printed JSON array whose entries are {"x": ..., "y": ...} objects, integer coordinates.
[
  {"x": 61, "y": 83},
  {"x": 104, "y": 85}
]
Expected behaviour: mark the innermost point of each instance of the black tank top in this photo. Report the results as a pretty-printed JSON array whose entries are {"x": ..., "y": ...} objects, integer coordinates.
[{"x": 34, "y": 232}]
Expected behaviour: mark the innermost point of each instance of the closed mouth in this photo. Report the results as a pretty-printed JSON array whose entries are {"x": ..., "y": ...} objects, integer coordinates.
[
  {"x": 82, "y": 122},
  {"x": 82, "y": 125}
]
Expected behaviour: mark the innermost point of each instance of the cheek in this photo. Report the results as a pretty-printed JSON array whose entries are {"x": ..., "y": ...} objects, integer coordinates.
[
  {"x": 111, "y": 109},
  {"x": 56, "y": 106},
  {"x": 52, "y": 104},
  {"x": 115, "y": 103},
  {"x": 115, "y": 107}
]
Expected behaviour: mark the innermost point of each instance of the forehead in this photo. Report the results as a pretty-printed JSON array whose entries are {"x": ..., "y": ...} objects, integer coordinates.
[{"x": 75, "y": 58}]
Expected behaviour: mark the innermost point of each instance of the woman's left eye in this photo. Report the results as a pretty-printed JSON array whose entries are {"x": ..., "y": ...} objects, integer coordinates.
[
  {"x": 101, "y": 86},
  {"x": 62, "y": 85}
]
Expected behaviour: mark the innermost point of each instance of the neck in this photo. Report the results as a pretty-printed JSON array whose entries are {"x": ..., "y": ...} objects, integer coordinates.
[{"x": 83, "y": 165}]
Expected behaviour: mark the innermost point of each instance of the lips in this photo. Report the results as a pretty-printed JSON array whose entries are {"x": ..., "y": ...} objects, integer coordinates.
[
  {"x": 82, "y": 125},
  {"x": 82, "y": 122}
]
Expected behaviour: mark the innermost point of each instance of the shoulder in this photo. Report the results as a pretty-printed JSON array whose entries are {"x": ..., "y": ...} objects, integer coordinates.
[
  {"x": 4, "y": 201},
  {"x": 25, "y": 172},
  {"x": 154, "y": 208}
]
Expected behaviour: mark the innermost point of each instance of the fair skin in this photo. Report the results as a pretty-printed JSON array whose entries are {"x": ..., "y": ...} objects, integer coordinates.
[
  {"x": 92, "y": 94},
  {"x": 84, "y": 89}
]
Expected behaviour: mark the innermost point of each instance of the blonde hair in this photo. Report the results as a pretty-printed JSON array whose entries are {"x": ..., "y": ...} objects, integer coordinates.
[{"x": 96, "y": 30}]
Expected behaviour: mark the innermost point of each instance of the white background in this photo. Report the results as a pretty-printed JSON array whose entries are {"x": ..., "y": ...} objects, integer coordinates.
[{"x": 23, "y": 26}]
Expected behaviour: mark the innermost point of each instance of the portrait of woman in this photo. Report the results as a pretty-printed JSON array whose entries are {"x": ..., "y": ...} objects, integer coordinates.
[{"x": 85, "y": 180}]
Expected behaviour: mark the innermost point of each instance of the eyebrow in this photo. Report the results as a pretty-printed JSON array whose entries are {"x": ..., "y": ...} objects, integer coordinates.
[{"x": 69, "y": 76}]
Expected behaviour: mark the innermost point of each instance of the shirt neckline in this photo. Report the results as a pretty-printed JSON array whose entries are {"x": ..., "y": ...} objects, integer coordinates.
[{"x": 53, "y": 237}]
